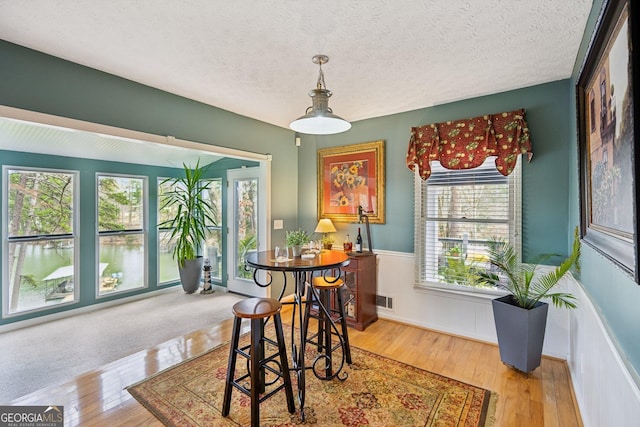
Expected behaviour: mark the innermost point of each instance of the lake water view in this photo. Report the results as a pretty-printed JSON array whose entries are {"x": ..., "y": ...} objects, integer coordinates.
[{"x": 122, "y": 262}]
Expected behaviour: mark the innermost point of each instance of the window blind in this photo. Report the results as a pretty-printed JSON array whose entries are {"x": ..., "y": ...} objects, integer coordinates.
[{"x": 457, "y": 214}]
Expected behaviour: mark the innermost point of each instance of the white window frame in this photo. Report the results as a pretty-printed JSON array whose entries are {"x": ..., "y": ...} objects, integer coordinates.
[
  {"x": 6, "y": 239},
  {"x": 213, "y": 228},
  {"x": 422, "y": 254},
  {"x": 159, "y": 231},
  {"x": 144, "y": 232}
]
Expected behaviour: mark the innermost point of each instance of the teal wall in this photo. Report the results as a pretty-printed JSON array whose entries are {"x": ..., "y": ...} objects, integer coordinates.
[
  {"x": 37, "y": 82},
  {"x": 34, "y": 81},
  {"x": 545, "y": 178},
  {"x": 614, "y": 293}
]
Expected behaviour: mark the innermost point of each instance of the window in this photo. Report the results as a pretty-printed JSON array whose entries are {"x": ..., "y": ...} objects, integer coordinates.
[
  {"x": 245, "y": 208},
  {"x": 213, "y": 245},
  {"x": 121, "y": 233},
  {"x": 457, "y": 213},
  {"x": 40, "y": 239},
  {"x": 167, "y": 266}
]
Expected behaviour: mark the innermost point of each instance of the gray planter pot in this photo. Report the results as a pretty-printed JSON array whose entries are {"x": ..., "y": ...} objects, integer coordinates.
[
  {"x": 520, "y": 332},
  {"x": 190, "y": 274}
]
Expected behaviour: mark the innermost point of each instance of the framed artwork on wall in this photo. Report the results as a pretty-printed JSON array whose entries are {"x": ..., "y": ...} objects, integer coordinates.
[
  {"x": 351, "y": 176},
  {"x": 608, "y": 136}
]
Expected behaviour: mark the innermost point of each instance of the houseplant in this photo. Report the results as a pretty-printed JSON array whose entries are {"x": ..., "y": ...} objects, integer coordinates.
[
  {"x": 192, "y": 213},
  {"x": 296, "y": 239},
  {"x": 521, "y": 316},
  {"x": 327, "y": 241}
]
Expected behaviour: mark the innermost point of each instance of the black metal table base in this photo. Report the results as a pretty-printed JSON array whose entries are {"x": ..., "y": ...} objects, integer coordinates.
[{"x": 299, "y": 321}]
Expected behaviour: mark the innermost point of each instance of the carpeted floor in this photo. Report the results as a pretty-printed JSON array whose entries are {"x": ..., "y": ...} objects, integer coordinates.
[
  {"x": 377, "y": 392},
  {"x": 52, "y": 353}
]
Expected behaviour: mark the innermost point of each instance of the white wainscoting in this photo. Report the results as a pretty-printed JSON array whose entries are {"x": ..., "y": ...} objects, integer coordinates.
[
  {"x": 605, "y": 391},
  {"x": 465, "y": 314}
]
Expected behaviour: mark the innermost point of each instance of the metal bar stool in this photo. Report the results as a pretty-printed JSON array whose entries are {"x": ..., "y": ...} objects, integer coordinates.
[
  {"x": 259, "y": 310},
  {"x": 325, "y": 286}
]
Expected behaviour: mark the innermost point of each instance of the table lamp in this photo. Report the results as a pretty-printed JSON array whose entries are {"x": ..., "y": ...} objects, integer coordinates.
[{"x": 325, "y": 226}]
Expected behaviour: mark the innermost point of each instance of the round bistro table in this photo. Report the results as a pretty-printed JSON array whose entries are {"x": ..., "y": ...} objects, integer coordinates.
[{"x": 327, "y": 261}]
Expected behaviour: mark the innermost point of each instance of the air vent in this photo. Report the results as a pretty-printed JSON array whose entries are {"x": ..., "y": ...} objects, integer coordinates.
[{"x": 384, "y": 301}]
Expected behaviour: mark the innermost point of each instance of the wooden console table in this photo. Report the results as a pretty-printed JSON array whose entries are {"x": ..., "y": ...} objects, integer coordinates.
[{"x": 361, "y": 280}]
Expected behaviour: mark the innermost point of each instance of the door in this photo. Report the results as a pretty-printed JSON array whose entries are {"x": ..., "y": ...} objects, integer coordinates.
[{"x": 247, "y": 213}]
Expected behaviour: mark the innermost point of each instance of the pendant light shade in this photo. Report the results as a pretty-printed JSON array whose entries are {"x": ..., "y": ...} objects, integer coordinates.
[{"x": 319, "y": 118}]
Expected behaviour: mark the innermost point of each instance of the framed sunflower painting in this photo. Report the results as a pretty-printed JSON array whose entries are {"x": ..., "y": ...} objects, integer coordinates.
[{"x": 351, "y": 176}]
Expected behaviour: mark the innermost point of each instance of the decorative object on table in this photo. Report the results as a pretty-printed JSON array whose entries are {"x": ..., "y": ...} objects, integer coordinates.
[
  {"x": 319, "y": 118},
  {"x": 206, "y": 283},
  {"x": 351, "y": 176},
  {"x": 282, "y": 253},
  {"x": 607, "y": 97},
  {"x": 364, "y": 217},
  {"x": 297, "y": 238},
  {"x": 379, "y": 391},
  {"x": 325, "y": 226},
  {"x": 347, "y": 246},
  {"x": 193, "y": 214},
  {"x": 520, "y": 316}
]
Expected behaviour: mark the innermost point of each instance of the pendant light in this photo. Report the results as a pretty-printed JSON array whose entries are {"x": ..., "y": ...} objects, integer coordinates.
[{"x": 319, "y": 118}]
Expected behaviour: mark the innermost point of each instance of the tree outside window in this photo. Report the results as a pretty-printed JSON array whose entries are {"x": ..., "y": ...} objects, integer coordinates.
[
  {"x": 121, "y": 233},
  {"x": 40, "y": 239}
]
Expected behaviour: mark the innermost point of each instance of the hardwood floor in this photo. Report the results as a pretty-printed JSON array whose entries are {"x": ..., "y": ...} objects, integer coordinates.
[{"x": 543, "y": 398}]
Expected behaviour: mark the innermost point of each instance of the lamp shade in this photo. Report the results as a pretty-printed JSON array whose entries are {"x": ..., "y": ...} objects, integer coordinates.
[
  {"x": 319, "y": 118},
  {"x": 320, "y": 125},
  {"x": 325, "y": 226}
]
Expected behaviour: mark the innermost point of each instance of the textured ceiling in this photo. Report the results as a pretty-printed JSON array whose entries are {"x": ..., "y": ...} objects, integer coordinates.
[{"x": 254, "y": 57}]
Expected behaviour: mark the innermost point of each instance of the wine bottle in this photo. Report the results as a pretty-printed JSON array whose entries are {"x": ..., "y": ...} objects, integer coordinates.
[{"x": 359, "y": 241}]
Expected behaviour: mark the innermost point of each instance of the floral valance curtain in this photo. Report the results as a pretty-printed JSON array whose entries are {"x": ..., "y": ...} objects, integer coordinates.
[{"x": 465, "y": 144}]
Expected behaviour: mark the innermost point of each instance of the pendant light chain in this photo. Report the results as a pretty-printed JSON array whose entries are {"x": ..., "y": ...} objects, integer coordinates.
[{"x": 321, "y": 84}]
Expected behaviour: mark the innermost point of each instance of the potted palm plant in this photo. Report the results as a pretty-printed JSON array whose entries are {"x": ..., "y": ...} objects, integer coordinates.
[
  {"x": 192, "y": 214},
  {"x": 521, "y": 316},
  {"x": 296, "y": 239}
]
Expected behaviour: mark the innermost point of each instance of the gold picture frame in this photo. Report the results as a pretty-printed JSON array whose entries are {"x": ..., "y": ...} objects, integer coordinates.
[{"x": 350, "y": 176}]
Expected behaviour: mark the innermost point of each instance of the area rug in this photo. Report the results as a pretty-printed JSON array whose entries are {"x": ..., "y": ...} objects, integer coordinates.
[{"x": 377, "y": 392}]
